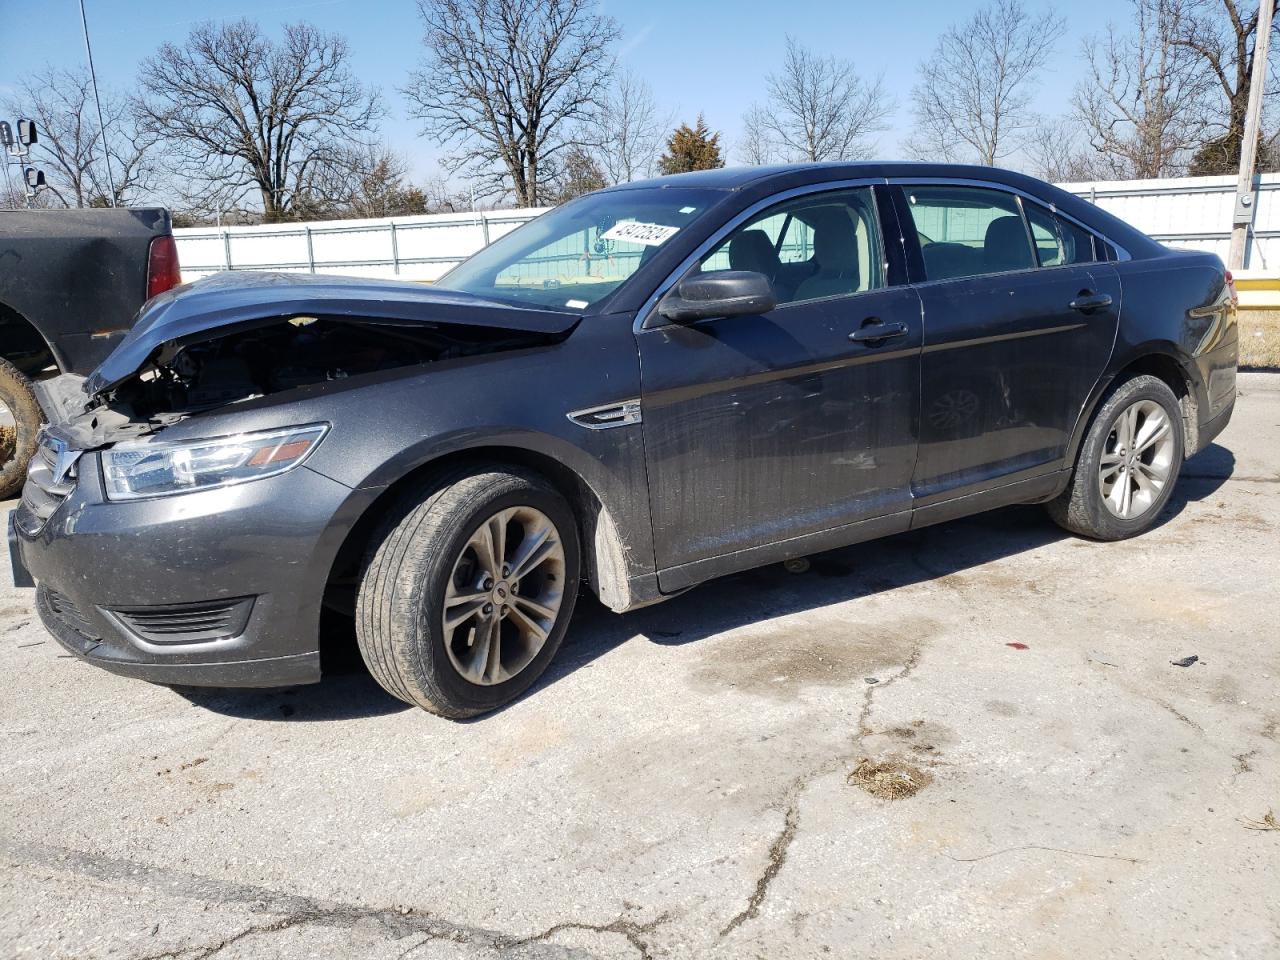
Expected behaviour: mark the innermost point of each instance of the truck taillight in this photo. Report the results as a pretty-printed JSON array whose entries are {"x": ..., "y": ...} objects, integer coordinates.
[{"x": 163, "y": 271}]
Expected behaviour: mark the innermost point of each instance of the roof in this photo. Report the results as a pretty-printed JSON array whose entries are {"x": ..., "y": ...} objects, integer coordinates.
[{"x": 736, "y": 178}]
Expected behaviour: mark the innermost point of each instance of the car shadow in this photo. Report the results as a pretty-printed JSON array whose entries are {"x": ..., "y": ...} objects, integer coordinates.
[
  {"x": 348, "y": 692},
  {"x": 848, "y": 573}
]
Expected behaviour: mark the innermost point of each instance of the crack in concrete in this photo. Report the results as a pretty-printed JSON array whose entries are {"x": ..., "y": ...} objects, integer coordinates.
[
  {"x": 202, "y": 953},
  {"x": 1179, "y": 714},
  {"x": 868, "y": 695},
  {"x": 1242, "y": 764},
  {"x": 791, "y": 799},
  {"x": 777, "y": 857},
  {"x": 635, "y": 933},
  {"x": 291, "y": 909}
]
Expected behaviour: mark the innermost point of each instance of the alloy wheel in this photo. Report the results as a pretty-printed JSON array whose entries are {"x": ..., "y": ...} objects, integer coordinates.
[
  {"x": 504, "y": 595},
  {"x": 1137, "y": 460}
]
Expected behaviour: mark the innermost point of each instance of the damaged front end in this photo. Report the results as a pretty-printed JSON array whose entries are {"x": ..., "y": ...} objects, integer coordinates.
[
  {"x": 272, "y": 357},
  {"x": 237, "y": 339}
]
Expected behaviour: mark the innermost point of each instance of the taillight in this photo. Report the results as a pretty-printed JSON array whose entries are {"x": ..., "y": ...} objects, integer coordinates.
[
  {"x": 1231, "y": 286},
  {"x": 163, "y": 272}
]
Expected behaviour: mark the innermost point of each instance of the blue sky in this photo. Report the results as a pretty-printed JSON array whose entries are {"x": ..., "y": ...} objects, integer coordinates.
[{"x": 708, "y": 55}]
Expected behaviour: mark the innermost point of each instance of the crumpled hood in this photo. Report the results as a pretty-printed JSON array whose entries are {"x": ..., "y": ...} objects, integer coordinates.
[{"x": 189, "y": 312}]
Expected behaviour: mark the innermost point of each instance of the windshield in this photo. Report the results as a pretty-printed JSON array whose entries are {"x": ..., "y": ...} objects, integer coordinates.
[{"x": 578, "y": 254}]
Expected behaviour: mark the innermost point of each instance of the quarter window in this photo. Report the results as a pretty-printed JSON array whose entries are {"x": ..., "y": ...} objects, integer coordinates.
[
  {"x": 968, "y": 231},
  {"x": 1058, "y": 241},
  {"x": 812, "y": 247}
]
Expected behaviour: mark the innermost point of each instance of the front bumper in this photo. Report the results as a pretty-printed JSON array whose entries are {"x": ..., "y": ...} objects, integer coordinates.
[{"x": 263, "y": 548}]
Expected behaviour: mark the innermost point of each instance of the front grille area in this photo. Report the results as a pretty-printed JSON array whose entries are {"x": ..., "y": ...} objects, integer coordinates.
[
  {"x": 42, "y": 493},
  {"x": 69, "y": 614},
  {"x": 188, "y": 622}
]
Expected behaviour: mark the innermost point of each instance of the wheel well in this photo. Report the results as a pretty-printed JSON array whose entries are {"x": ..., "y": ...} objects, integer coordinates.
[
  {"x": 603, "y": 556},
  {"x": 21, "y": 343},
  {"x": 1166, "y": 368}
]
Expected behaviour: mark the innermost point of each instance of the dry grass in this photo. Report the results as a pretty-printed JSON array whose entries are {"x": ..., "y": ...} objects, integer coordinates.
[
  {"x": 1259, "y": 338},
  {"x": 889, "y": 779},
  {"x": 1268, "y": 822},
  {"x": 8, "y": 443}
]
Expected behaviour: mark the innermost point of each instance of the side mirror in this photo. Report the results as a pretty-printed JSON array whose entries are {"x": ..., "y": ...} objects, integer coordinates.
[{"x": 721, "y": 293}]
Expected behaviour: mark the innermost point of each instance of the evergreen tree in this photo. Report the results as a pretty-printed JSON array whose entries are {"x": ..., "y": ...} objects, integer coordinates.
[{"x": 695, "y": 148}]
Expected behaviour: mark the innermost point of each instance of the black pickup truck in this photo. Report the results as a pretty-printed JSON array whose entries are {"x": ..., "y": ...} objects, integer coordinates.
[{"x": 71, "y": 283}]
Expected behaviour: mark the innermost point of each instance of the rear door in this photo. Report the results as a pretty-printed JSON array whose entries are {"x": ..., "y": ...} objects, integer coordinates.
[
  {"x": 1019, "y": 323},
  {"x": 761, "y": 429}
]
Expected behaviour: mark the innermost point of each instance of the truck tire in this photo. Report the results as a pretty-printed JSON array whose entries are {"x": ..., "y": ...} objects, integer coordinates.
[
  {"x": 468, "y": 590},
  {"x": 1128, "y": 463},
  {"x": 16, "y": 447}
]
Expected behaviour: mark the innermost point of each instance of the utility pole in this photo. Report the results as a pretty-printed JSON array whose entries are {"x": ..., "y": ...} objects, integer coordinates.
[{"x": 1245, "y": 198}]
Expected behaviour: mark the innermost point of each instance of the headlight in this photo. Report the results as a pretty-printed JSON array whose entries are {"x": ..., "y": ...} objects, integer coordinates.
[{"x": 161, "y": 469}]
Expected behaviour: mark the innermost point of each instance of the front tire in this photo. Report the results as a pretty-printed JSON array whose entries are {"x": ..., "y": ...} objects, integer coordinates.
[
  {"x": 468, "y": 591},
  {"x": 1128, "y": 463}
]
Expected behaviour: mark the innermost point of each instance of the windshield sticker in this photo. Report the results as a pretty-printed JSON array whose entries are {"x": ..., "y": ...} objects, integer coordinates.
[
  {"x": 577, "y": 304},
  {"x": 688, "y": 209},
  {"x": 633, "y": 231}
]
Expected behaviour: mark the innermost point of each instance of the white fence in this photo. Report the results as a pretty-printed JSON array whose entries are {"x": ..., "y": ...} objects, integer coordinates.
[
  {"x": 408, "y": 248},
  {"x": 1195, "y": 213},
  {"x": 1188, "y": 212}
]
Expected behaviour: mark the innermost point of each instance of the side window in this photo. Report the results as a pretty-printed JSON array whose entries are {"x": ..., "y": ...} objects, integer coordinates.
[
  {"x": 1078, "y": 243},
  {"x": 822, "y": 245},
  {"x": 772, "y": 226},
  {"x": 1058, "y": 241},
  {"x": 1045, "y": 235},
  {"x": 968, "y": 231}
]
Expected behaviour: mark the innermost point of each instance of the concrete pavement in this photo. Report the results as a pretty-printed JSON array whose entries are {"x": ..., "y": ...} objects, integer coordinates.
[{"x": 708, "y": 778}]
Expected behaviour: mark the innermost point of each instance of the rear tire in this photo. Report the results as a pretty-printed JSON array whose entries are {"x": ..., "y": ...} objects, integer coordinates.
[
  {"x": 16, "y": 449},
  {"x": 439, "y": 622},
  {"x": 1128, "y": 463}
]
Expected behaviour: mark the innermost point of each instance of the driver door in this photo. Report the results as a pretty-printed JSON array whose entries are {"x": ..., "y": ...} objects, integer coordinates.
[{"x": 776, "y": 434}]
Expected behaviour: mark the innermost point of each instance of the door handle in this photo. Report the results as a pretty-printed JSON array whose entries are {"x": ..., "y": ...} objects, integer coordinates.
[
  {"x": 873, "y": 331},
  {"x": 1087, "y": 301}
]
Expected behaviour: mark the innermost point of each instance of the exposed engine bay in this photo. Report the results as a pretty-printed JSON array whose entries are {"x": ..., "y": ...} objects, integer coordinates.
[{"x": 266, "y": 358}]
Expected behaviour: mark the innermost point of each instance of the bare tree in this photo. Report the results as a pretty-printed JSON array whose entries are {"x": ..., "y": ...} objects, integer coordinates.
[
  {"x": 443, "y": 197},
  {"x": 629, "y": 130},
  {"x": 579, "y": 173},
  {"x": 1222, "y": 34},
  {"x": 1056, "y": 153},
  {"x": 1143, "y": 103},
  {"x": 72, "y": 149},
  {"x": 372, "y": 181},
  {"x": 14, "y": 197},
  {"x": 756, "y": 147},
  {"x": 244, "y": 114},
  {"x": 819, "y": 108},
  {"x": 506, "y": 82},
  {"x": 382, "y": 188},
  {"x": 973, "y": 97}
]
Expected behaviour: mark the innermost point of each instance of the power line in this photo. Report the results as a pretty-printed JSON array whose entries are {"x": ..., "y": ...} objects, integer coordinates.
[{"x": 102, "y": 127}]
